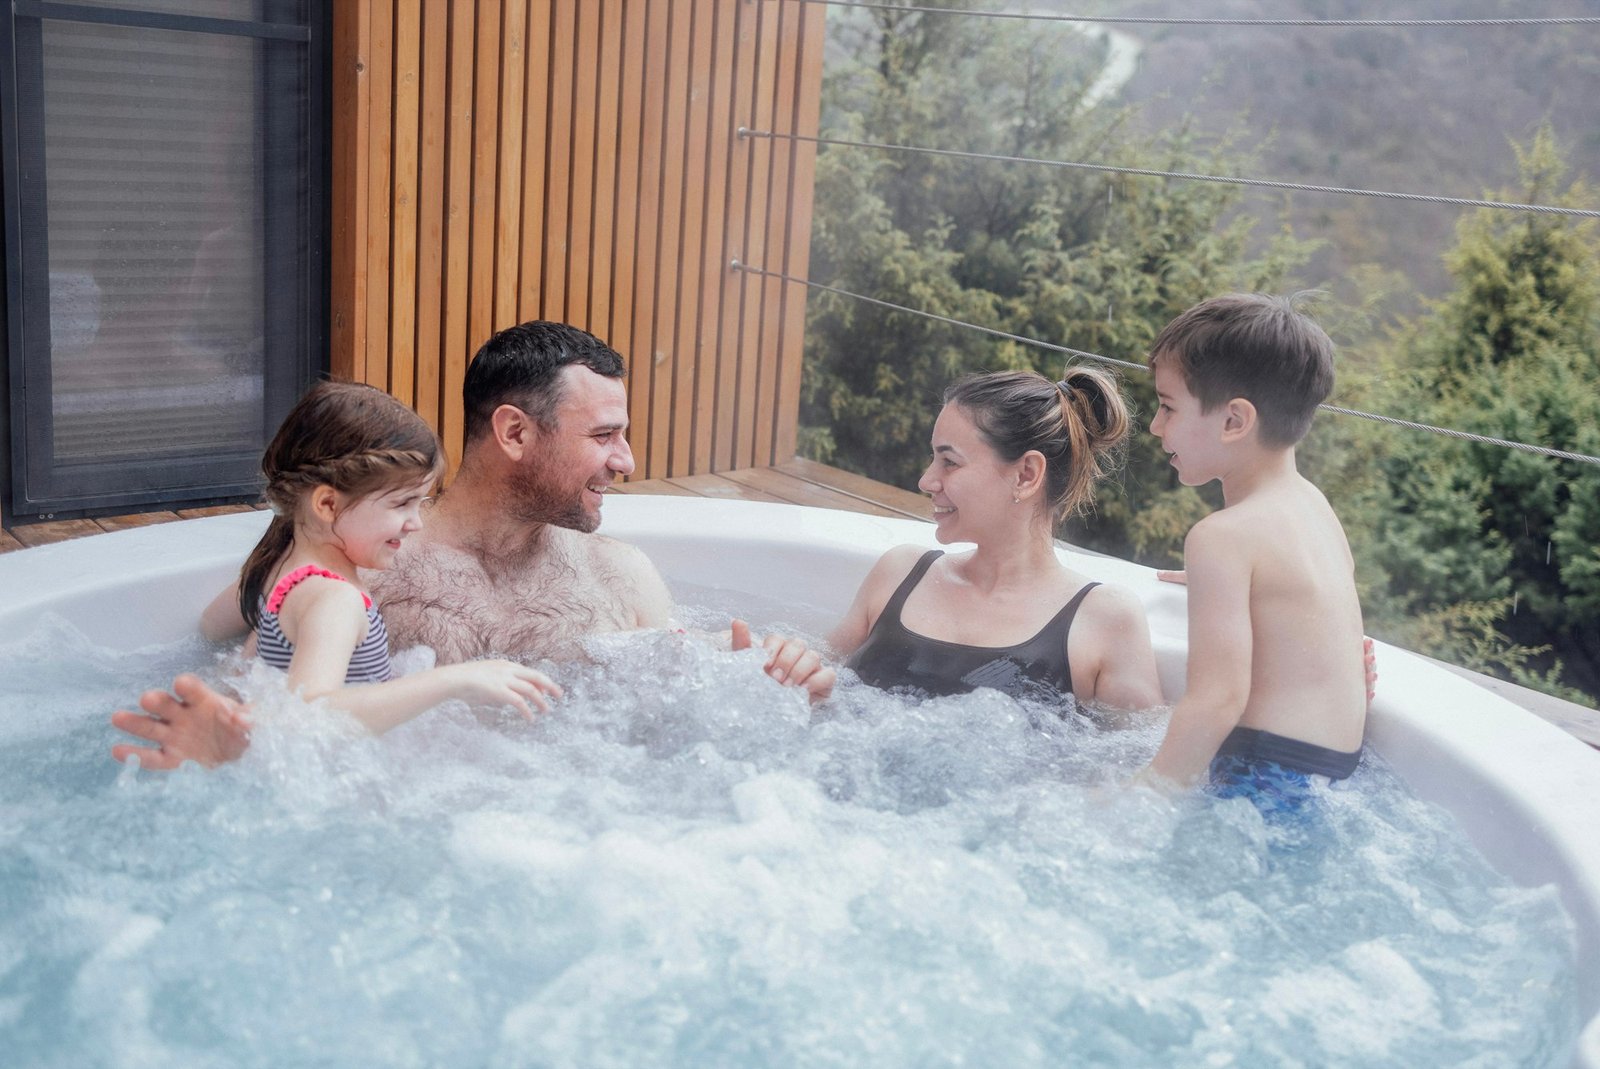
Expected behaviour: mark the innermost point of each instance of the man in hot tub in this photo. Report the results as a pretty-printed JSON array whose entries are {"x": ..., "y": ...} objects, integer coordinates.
[{"x": 507, "y": 560}]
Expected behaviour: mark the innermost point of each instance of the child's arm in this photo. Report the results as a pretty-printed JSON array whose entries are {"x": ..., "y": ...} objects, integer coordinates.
[
  {"x": 1218, "y": 676},
  {"x": 221, "y": 620},
  {"x": 328, "y": 620}
]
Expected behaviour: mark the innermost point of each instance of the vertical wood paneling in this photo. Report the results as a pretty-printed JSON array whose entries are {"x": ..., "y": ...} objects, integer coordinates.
[
  {"x": 686, "y": 342},
  {"x": 797, "y": 256},
  {"x": 580, "y": 208},
  {"x": 508, "y": 215},
  {"x": 625, "y": 209},
  {"x": 715, "y": 213},
  {"x": 403, "y": 243},
  {"x": 641, "y": 352},
  {"x": 485, "y": 142},
  {"x": 375, "y": 197},
  {"x": 501, "y": 160},
  {"x": 602, "y": 214},
  {"x": 536, "y": 162},
  {"x": 669, "y": 249},
  {"x": 732, "y": 284},
  {"x": 455, "y": 343},
  {"x": 431, "y": 196},
  {"x": 558, "y": 147},
  {"x": 757, "y": 224},
  {"x": 347, "y": 327}
]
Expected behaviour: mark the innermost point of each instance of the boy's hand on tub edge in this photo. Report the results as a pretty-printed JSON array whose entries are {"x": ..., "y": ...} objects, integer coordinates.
[
  {"x": 194, "y": 723},
  {"x": 1181, "y": 578},
  {"x": 790, "y": 661}
]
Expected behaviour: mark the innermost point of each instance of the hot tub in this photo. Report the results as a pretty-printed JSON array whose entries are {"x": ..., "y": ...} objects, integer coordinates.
[{"x": 1524, "y": 791}]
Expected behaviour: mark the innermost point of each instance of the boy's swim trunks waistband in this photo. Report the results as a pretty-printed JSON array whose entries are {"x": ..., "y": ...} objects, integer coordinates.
[{"x": 1256, "y": 745}]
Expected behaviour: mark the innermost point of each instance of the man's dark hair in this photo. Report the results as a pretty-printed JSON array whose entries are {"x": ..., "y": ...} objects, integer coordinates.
[
  {"x": 521, "y": 366},
  {"x": 1257, "y": 347}
]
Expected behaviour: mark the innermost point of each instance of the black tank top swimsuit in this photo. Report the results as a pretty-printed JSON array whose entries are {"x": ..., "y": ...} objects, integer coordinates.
[{"x": 895, "y": 657}]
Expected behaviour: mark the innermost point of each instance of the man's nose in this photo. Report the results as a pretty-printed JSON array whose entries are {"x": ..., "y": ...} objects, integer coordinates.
[{"x": 621, "y": 460}]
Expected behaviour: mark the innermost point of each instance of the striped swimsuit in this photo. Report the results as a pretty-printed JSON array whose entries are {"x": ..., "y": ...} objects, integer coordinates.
[{"x": 368, "y": 664}]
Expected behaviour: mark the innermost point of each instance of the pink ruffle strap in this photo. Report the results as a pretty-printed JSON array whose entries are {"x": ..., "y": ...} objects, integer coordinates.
[{"x": 294, "y": 578}]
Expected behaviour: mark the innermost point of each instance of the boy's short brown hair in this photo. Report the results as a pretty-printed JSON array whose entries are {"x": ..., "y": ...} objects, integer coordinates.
[{"x": 1257, "y": 347}]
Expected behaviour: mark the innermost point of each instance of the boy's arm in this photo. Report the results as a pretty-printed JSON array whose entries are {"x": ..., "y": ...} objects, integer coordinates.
[{"x": 1218, "y": 676}]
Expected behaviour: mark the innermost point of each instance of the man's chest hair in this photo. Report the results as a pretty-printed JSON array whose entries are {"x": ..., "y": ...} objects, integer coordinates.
[{"x": 451, "y": 602}]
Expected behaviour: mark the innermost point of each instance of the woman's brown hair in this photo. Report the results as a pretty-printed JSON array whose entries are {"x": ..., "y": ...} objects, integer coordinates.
[
  {"x": 1078, "y": 425},
  {"x": 354, "y": 438}
]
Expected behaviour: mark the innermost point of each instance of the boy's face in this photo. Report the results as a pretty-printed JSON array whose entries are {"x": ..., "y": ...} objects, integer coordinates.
[{"x": 1192, "y": 437}]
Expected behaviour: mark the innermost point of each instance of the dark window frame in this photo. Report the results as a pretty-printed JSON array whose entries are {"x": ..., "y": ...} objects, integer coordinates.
[{"x": 25, "y": 308}]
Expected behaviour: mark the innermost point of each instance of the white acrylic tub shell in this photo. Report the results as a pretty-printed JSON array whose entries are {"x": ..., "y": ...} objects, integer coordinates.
[{"x": 1525, "y": 791}]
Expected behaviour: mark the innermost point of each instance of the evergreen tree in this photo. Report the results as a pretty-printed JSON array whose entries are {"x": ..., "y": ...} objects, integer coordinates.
[{"x": 1487, "y": 552}]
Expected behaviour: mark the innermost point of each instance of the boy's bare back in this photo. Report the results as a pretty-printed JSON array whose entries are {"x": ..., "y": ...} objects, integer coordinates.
[{"x": 1285, "y": 552}]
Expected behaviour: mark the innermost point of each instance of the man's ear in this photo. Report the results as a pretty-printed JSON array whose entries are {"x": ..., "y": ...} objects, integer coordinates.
[
  {"x": 514, "y": 431},
  {"x": 1240, "y": 420}
]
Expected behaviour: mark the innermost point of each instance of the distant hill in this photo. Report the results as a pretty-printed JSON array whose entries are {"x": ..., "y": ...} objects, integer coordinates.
[{"x": 1416, "y": 110}]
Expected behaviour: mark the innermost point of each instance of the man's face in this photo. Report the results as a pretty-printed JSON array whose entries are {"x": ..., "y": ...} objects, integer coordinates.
[{"x": 563, "y": 478}]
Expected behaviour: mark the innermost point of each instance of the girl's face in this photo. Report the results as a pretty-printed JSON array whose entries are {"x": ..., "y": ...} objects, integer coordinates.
[
  {"x": 970, "y": 484},
  {"x": 371, "y": 529}
]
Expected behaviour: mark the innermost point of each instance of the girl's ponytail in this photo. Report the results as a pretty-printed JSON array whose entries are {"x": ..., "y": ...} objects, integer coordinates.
[{"x": 258, "y": 566}]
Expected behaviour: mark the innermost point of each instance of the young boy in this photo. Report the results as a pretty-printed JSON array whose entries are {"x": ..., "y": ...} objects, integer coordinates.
[{"x": 1276, "y": 690}]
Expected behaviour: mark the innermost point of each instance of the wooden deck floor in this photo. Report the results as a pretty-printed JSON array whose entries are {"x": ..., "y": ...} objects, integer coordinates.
[{"x": 800, "y": 482}]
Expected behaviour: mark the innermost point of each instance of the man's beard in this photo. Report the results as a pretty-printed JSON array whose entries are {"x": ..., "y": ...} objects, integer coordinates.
[{"x": 536, "y": 498}]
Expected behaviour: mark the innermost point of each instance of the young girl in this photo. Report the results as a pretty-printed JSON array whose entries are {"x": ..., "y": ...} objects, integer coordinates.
[{"x": 347, "y": 476}]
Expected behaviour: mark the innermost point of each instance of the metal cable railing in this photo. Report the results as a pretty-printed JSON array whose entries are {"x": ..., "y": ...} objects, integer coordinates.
[
  {"x": 1152, "y": 20},
  {"x": 1394, "y": 421},
  {"x": 1263, "y": 183}
]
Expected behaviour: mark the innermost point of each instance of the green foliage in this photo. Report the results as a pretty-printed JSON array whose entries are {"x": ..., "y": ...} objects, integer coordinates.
[
  {"x": 1086, "y": 260},
  {"x": 1488, "y": 555}
]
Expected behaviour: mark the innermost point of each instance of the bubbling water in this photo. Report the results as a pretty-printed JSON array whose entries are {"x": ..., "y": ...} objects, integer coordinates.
[{"x": 685, "y": 864}]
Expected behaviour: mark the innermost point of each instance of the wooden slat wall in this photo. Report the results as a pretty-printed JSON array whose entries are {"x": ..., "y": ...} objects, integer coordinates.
[{"x": 504, "y": 160}]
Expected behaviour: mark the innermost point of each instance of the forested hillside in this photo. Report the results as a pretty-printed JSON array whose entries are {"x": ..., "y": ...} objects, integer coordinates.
[
  {"x": 1403, "y": 109},
  {"x": 1486, "y": 321}
]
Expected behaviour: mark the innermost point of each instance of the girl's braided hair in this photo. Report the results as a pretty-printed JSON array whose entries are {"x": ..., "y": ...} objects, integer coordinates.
[{"x": 354, "y": 438}]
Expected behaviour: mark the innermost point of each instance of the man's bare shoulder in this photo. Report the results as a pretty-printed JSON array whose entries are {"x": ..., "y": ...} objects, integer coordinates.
[{"x": 642, "y": 590}]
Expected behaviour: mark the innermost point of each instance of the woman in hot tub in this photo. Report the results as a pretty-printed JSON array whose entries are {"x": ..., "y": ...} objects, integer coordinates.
[{"x": 1013, "y": 455}]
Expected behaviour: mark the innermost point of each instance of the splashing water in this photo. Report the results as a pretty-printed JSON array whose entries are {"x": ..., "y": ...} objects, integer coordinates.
[{"x": 686, "y": 865}]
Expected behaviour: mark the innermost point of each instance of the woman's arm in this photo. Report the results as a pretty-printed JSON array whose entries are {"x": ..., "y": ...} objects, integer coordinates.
[
  {"x": 1120, "y": 663},
  {"x": 871, "y": 596}
]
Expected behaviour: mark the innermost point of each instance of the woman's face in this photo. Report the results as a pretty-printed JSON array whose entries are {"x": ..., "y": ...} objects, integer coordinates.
[{"x": 970, "y": 484}]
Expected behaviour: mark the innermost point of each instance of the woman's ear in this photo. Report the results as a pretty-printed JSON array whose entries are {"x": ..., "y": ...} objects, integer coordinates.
[
  {"x": 1240, "y": 420},
  {"x": 1030, "y": 475}
]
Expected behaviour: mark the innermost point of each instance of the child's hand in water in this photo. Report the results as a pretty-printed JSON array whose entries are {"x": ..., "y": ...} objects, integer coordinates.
[
  {"x": 502, "y": 682},
  {"x": 193, "y": 723}
]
